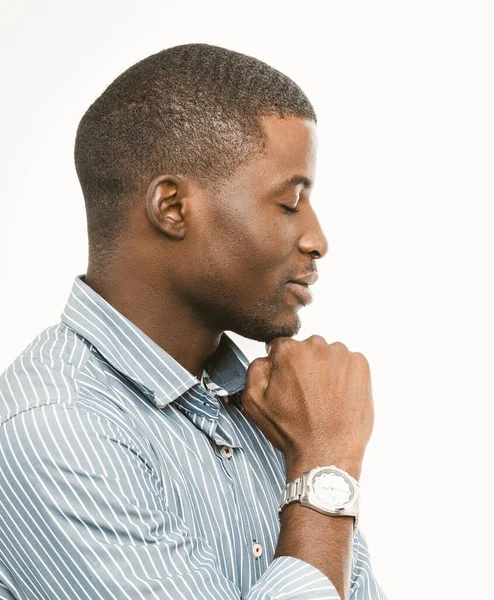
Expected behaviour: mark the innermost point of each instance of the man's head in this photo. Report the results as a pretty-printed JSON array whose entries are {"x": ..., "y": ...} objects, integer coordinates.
[{"x": 179, "y": 161}]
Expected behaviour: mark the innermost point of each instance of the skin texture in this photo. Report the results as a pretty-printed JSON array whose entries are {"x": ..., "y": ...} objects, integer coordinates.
[{"x": 192, "y": 265}]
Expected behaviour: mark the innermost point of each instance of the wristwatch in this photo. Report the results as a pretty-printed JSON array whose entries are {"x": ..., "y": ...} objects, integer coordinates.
[{"x": 329, "y": 490}]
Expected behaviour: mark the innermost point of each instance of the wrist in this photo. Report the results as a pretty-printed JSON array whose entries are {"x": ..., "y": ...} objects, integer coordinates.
[{"x": 295, "y": 468}]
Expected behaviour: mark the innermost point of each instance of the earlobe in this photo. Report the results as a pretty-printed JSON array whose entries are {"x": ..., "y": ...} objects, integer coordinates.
[{"x": 165, "y": 200}]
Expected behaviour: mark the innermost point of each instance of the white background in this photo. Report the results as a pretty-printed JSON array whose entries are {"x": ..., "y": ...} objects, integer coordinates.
[{"x": 404, "y": 192}]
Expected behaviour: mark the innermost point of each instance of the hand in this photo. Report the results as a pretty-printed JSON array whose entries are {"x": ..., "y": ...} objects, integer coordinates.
[{"x": 313, "y": 401}]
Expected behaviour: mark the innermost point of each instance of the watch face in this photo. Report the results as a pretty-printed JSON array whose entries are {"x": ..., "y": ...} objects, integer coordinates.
[{"x": 332, "y": 489}]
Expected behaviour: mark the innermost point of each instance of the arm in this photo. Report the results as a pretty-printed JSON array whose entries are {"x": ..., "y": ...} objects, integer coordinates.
[
  {"x": 322, "y": 540},
  {"x": 313, "y": 402},
  {"x": 83, "y": 516},
  {"x": 328, "y": 543}
]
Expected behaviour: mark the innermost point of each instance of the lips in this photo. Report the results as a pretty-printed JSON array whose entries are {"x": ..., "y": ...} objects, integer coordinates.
[
  {"x": 300, "y": 291},
  {"x": 308, "y": 279}
]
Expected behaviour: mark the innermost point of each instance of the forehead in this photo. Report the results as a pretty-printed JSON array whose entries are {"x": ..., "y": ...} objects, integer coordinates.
[
  {"x": 289, "y": 139},
  {"x": 290, "y": 153}
]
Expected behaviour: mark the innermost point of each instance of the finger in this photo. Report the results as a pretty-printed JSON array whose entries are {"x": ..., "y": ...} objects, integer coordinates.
[{"x": 257, "y": 369}]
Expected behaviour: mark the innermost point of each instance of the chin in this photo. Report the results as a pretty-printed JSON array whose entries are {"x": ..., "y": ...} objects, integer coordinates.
[{"x": 262, "y": 330}]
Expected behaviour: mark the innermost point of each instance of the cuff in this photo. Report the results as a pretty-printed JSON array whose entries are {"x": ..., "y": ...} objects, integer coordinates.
[{"x": 292, "y": 578}]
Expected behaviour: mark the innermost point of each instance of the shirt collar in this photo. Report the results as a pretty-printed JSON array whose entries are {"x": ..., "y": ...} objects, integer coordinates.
[{"x": 136, "y": 356}]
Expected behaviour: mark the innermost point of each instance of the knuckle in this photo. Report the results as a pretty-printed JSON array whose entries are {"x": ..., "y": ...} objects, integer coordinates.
[
  {"x": 255, "y": 364},
  {"x": 284, "y": 344},
  {"x": 256, "y": 367},
  {"x": 361, "y": 358},
  {"x": 340, "y": 346},
  {"x": 317, "y": 339}
]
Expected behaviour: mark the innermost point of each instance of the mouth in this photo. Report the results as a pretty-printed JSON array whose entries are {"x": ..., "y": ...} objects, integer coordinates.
[{"x": 300, "y": 291}]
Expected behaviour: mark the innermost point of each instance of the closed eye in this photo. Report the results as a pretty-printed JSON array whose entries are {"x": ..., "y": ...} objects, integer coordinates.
[{"x": 290, "y": 210}]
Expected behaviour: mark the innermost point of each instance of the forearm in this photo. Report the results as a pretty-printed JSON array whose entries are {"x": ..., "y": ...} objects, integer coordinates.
[{"x": 321, "y": 540}]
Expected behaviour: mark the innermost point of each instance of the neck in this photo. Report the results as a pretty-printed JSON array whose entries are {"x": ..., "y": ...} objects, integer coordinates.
[{"x": 149, "y": 303}]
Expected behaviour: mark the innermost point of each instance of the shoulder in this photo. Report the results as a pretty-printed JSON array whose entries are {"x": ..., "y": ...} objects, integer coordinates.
[
  {"x": 59, "y": 383},
  {"x": 50, "y": 370}
]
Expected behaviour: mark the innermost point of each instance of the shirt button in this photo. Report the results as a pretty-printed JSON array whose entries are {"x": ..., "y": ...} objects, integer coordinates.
[
  {"x": 226, "y": 451},
  {"x": 257, "y": 550}
]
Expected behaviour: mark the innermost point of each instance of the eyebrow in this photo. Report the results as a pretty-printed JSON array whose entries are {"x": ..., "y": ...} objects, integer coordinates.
[{"x": 292, "y": 182}]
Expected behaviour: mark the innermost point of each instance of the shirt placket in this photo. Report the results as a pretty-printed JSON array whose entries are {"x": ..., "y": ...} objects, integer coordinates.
[{"x": 234, "y": 465}]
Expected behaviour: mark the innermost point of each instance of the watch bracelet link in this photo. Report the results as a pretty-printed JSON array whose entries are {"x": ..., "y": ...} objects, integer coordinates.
[{"x": 292, "y": 493}]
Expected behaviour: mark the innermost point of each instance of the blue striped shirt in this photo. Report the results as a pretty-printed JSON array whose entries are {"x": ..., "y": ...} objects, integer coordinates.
[{"x": 122, "y": 476}]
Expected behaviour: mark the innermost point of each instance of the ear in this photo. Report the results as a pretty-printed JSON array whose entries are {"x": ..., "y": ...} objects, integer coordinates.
[{"x": 166, "y": 203}]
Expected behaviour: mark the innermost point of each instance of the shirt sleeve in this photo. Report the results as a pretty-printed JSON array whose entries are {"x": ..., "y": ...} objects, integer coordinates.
[
  {"x": 83, "y": 516},
  {"x": 4, "y": 593},
  {"x": 364, "y": 585}
]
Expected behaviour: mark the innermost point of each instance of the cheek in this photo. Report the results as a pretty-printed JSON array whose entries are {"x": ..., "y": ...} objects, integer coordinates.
[
  {"x": 272, "y": 244},
  {"x": 244, "y": 249},
  {"x": 257, "y": 238}
]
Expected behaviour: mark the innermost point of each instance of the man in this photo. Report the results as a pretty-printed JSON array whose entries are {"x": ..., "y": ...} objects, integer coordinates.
[{"x": 141, "y": 456}]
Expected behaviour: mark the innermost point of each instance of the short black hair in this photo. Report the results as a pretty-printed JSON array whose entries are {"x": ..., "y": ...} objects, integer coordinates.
[{"x": 191, "y": 110}]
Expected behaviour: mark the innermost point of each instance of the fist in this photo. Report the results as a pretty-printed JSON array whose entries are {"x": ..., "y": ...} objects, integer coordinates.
[{"x": 313, "y": 401}]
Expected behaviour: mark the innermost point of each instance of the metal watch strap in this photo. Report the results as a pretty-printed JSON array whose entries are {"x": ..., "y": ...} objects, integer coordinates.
[{"x": 292, "y": 493}]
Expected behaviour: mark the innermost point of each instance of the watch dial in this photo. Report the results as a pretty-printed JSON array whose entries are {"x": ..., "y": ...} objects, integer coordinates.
[{"x": 332, "y": 489}]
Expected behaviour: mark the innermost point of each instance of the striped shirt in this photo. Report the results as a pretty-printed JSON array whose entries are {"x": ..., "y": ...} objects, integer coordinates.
[{"x": 122, "y": 476}]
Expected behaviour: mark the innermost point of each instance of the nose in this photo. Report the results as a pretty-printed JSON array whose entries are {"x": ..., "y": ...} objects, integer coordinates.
[{"x": 313, "y": 241}]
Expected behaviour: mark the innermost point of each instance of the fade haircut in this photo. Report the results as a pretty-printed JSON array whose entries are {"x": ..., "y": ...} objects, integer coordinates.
[{"x": 190, "y": 110}]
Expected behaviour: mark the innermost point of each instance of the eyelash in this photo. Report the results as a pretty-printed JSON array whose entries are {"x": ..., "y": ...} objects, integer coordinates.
[{"x": 290, "y": 210}]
